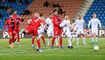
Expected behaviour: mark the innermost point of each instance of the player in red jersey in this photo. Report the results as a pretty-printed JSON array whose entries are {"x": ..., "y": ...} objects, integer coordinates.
[
  {"x": 11, "y": 29},
  {"x": 17, "y": 18},
  {"x": 34, "y": 25},
  {"x": 56, "y": 19}
]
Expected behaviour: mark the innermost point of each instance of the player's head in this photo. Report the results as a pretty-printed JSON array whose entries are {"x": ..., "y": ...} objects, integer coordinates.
[
  {"x": 50, "y": 15},
  {"x": 36, "y": 15},
  {"x": 10, "y": 15},
  {"x": 79, "y": 17},
  {"x": 55, "y": 12},
  {"x": 14, "y": 12},
  {"x": 66, "y": 16},
  {"x": 94, "y": 15}
]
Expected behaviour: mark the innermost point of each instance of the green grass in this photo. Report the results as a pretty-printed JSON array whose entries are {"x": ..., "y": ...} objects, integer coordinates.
[{"x": 26, "y": 52}]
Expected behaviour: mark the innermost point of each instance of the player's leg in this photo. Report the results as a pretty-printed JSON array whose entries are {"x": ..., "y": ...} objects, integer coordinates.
[
  {"x": 53, "y": 40},
  {"x": 48, "y": 39},
  {"x": 84, "y": 43},
  {"x": 78, "y": 37},
  {"x": 96, "y": 35},
  {"x": 33, "y": 39},
  {"x": 43, "y": 40},
  {"x": 68, "y": 35},
  {"x": 93, "y": 32},
  {"x": 18, "y": 40},
  {"x": 10, "y": 39},
  {"x": 38, "y": 44},
  {"x": 56, "y": 41},
  {"x": 60, "y": 42}
]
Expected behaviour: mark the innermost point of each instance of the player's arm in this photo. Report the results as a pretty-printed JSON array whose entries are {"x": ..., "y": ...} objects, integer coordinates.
[
  {"x": 89, "y": 24},
  {"x": 100, "y": 24},
  {"x": 20, "y": 19},
  {"x": 62, "y": 24},
  {"x": 6, "y": 22}
]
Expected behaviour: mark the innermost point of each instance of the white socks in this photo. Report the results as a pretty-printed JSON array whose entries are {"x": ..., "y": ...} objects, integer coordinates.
[
  {"x": 77, "y": 41},
  {"x": 56, "y": 41},
  {"x": 96, "y": 39},
  {"x": 92, "y": 39},
  {"x": 48, "y": 41},
  {"x": 83, "y": 40},
  {"x": 69, "y": 42}
]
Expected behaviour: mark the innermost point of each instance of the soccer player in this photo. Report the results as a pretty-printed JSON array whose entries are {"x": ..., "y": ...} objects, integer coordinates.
[
  {"x": 36, "y": 22},
  {"x": 80, "y": 24},
  {"x": 66, "y": 30},
  {"x": 50, "y": 33},
  {"x": 94, "y": 27},
  {"x": 56, "y": 19},
  {"x": 11, "y": 30},
  {"x": 17, "y": 18}
]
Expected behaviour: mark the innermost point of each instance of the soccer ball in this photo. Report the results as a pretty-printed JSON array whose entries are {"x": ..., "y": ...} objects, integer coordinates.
[{"x": 96, "y": 48}]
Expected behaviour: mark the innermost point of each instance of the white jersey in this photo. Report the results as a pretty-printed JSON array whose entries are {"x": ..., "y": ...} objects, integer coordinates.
[
  {"x": 65, "y": 24},
  {"x": 94, "y": 23},
  {"x": 79, "y": 23},
  {"x": 50, "y": 28},
  {"x": 66, "y": 28}
]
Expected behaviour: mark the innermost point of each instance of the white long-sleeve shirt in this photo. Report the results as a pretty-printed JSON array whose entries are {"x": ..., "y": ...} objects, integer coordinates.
[{"x": 94, "y": 23}]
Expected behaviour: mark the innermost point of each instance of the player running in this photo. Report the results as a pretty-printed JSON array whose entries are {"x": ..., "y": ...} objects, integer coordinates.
[
  {"x": 66, "y": 30},
  {"x": 94, "y": 28},
  {"x": 11, "y": 30},
  {"x": 80, "y": 24},
  {"x": 17, "y": 18},
  {"x": 56, "y": 28}
]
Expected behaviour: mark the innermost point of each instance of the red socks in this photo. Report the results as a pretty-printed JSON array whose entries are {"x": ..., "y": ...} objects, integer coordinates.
[
  {"x": 38, "y": 43},
  {"x": 10, "y": 40},
  {"x": 53, "y": 41},
  {"x": 60, "y": 41},
  {"x": 43, "y": 40},
  {"x": 32, "y": 41}
]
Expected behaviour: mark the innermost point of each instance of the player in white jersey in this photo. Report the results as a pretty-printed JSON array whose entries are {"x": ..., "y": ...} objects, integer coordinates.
[
  {"x": 66, "y": 30},
  {"x": 80, "y": 24},
  {"x": 94, "y": 27},
  {"x": 74, "y": 31},
  {"x": 50, "y": 33}
]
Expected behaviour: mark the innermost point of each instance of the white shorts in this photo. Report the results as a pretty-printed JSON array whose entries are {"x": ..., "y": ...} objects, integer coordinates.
[
  {"x": 80, "y": 31},
  {"x": 40, "y": 32},
  {"x": 50, "y": 32},
  {"x": 67, "y": 33},
  {"x": 94, "y": 31}
]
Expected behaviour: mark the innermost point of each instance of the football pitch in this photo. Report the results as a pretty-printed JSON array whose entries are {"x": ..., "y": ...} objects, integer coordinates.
[{"x": 26, "y": 52}]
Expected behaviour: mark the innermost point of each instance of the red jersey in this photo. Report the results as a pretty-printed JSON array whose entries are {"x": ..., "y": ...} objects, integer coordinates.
[
  {"x": 17, "y": 18},
  {"x": 56, "y": 23},
  {"x": 36, "y": 22},
  {"x": 56, "y": 20},
  {"x": 11, "y": 24}
]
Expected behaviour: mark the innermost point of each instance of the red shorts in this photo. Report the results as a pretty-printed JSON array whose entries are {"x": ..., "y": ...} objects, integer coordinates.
[
  {"x": 10, "y": 32},
  {"x": 17, "y": 30},
  {"x": 32, "y": 30},
  {"x": 57, "y": 31}
]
